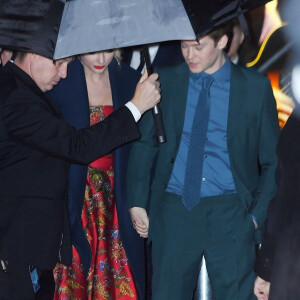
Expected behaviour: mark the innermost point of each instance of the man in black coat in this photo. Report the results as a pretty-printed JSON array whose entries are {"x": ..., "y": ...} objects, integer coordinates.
[
  {"x": 278, "y": 261},
  {"x": 36, "y": 147}
]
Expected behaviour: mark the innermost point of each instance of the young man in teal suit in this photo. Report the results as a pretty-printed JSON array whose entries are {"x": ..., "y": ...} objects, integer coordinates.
[{"x": 212, "y": 180}]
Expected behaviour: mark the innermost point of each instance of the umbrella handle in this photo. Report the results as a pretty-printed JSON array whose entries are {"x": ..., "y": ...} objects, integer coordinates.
[{"x": 157, "y": 115}]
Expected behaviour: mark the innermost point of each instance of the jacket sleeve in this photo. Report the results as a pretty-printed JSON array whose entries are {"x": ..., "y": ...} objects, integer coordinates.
[
  {"x": 267, "y": 158},
  {"x": 265, "y": 257},
  {"x": 29, "y": 121},
  {"x": 140, "y": 164}
]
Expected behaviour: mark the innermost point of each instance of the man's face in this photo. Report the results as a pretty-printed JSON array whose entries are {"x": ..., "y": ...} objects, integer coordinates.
[
  {"x": 47, "y": 73},
  {"x": 204, "y": 55}
]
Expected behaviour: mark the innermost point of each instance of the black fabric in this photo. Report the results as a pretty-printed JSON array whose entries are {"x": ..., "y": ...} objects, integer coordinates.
[
  {"x": 278, "y": 259},
  {"x": 30, "y": 25},
  {"x": 142, "y": 63},
  {"x": 16, "y": 284},
  {"x": 205, "y": 16},
  {"x": 47, "y": 285}
]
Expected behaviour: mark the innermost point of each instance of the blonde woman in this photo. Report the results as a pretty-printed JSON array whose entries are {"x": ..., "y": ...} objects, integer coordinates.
[{"x": 108, "y": 255}]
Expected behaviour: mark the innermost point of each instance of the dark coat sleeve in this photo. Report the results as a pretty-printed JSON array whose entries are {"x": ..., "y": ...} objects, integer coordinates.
[{"x": 29, "y": 120}]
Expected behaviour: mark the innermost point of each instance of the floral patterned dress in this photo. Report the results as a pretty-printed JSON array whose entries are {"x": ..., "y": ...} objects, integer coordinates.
[{"x": 109, "y": 275}]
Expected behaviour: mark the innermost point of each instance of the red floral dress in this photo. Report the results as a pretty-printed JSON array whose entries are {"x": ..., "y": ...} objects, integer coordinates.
[{"x": 109, "y": 275}]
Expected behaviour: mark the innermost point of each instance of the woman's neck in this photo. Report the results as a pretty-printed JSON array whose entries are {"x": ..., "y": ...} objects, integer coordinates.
[{"x": 98, "y": 87}]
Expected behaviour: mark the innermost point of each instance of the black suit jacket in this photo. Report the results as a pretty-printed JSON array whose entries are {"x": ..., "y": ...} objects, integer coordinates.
[
  {"x": 36, "y": 146},
  {"x": 279, "y": 257}
]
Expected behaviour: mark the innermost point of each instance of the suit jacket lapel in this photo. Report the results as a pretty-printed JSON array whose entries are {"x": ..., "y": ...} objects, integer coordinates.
[
  {"x": 71, "y": 96},
  {"x": 112, "y": 71}
]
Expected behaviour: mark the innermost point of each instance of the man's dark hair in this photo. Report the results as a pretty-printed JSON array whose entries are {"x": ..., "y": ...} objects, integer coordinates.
[{"x": 220, "y": 31}]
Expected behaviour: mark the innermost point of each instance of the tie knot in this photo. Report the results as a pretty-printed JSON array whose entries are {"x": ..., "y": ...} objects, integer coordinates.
[{"x": 207, "y": 81}]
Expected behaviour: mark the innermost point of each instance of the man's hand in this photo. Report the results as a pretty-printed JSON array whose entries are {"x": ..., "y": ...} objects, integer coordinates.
[
  {"x": 140, "y": 220},
  {"x": 147, "y": 92},
  {"x": 261, "y": 288}
]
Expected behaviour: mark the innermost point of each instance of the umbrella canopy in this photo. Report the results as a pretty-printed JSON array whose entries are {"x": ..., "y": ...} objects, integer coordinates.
[
  {"x": 89, "y": 26},
  {"x": 95, "y": 25},
  {"x": 30, "y": 25}
]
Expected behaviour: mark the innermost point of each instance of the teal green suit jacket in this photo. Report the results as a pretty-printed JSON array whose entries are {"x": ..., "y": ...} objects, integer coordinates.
[{"x": 252, "y": 133}]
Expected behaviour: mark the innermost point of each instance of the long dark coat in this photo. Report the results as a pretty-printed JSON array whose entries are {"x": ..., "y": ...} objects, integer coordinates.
[{"x": 279, "y": 257}]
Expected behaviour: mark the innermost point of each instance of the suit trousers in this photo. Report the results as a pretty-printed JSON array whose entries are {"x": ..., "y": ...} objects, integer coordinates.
[
  {"x": 16, "y": 284},
  {"x": 218, "y": 228}
]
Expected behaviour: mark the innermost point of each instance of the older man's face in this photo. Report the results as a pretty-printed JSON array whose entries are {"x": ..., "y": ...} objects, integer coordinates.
[{"x": 47, "y": 73}]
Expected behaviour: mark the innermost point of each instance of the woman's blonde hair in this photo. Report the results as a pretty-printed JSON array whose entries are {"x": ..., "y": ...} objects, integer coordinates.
[{"x": 118, "y": 56}]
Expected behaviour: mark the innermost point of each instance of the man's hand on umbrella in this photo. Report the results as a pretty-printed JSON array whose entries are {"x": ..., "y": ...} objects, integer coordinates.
[
  {"x": 147, "y": 92},
  {"x": 140, "y": 220}
]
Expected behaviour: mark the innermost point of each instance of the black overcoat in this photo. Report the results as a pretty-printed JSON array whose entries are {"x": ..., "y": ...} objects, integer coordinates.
[{"x": 279, "y": 257}]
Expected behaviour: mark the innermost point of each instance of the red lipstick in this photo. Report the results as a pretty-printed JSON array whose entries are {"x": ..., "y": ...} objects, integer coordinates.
[{"x": 99, "y": 67}]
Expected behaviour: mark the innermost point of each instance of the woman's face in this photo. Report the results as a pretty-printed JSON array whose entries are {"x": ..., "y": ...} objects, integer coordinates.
[{"x": 97, "y": 62}]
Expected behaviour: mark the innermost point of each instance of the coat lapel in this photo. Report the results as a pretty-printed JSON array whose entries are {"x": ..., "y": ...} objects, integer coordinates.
[{"x": 71, "y": 96}]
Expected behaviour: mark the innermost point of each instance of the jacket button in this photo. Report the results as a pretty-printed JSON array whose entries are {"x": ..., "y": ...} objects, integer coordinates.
[{"x": 172, "y": 160}]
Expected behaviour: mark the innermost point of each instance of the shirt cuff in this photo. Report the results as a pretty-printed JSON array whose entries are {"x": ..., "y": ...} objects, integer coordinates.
[{"x": 134, "y": 110}]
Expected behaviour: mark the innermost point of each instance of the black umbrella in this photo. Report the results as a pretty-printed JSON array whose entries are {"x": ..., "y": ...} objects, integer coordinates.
[
  {"x": 89, "y": 26},
  {"x": 205, "y": 16},
  {"x": 30, "y": 25}
]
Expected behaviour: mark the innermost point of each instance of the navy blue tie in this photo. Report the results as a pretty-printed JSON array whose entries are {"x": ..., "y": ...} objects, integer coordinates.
[{"x": 193, "y": 172}]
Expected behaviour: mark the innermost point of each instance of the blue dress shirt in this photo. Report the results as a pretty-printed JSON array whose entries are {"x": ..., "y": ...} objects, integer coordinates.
[{"x": 216, "y": 173}]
